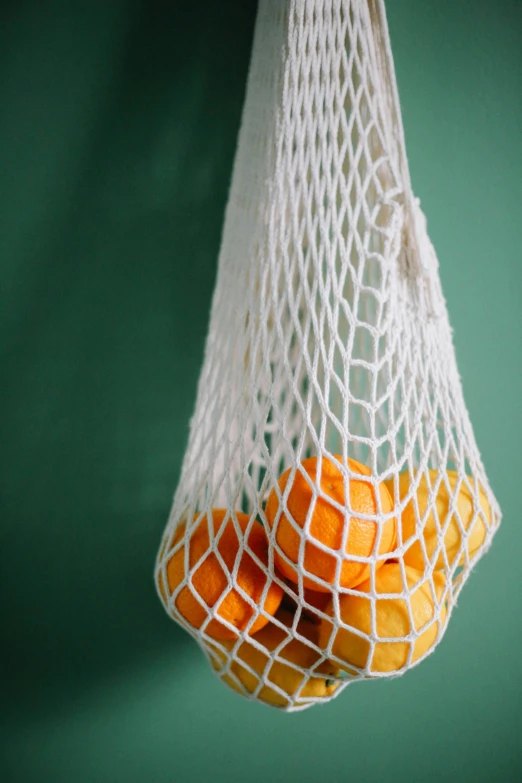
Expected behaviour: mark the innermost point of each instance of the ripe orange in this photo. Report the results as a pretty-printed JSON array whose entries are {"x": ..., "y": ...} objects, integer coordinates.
[
  {"x": 328, "y": 523},
  {"x": 210, "y": 581},
  {"x": 283, "y": 683},
  {"x": 392, "y": 621},
  {"x": 475, "y": 519}
]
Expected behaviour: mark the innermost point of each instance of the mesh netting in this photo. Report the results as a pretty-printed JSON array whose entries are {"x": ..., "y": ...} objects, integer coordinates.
[{"x": 332, "y": 500}]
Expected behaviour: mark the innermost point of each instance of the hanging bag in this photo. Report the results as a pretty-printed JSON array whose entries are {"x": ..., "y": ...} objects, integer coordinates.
[{"x": 332, "y": 500}]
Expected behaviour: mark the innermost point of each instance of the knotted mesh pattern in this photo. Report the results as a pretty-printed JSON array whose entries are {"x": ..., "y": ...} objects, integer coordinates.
[{"x": 332, "y": 499}]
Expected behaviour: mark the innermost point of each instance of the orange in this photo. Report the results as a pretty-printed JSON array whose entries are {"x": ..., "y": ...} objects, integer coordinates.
[
  {"x": 328, "y": 523},
  {"x": 210, "y": 581},
  {"x": 284, "y": 684},
  {"x": 392, "y": 621},
  {"x": 475, "y": 519}
]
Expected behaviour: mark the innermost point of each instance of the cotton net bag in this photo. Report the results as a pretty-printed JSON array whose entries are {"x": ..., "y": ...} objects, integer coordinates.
[{"x": 332, "y": 500}]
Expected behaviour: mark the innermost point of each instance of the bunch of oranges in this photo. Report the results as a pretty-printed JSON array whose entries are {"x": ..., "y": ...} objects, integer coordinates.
[{"x": 334, "y": 553}]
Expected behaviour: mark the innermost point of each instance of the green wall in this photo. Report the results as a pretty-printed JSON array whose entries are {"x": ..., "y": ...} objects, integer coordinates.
[{"x": 117, "y": 135}]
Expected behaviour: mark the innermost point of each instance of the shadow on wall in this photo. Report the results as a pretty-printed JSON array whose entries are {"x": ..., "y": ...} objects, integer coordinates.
[{"x": 110, "y": 246}]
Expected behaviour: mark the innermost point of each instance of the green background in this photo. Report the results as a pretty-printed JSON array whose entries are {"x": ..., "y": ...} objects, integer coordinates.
[{"x": 117, "y": 135}]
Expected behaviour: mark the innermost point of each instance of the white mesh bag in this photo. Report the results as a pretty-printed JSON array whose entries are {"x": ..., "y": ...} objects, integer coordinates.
[{"x": 332, "y": 500}]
